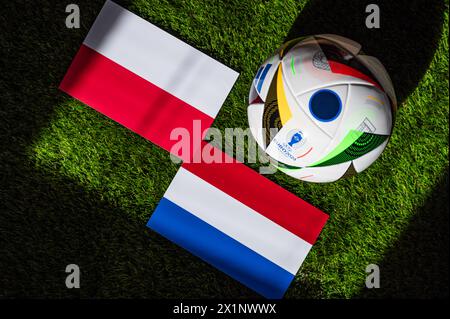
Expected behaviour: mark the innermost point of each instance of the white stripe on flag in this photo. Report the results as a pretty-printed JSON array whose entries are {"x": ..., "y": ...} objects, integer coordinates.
[
  {"x": 237, "y": 221},
  {"x": 160, "y": 58}
]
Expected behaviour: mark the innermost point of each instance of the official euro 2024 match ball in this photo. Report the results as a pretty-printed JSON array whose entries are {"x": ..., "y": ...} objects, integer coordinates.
[{"x": 321, "y": 109}]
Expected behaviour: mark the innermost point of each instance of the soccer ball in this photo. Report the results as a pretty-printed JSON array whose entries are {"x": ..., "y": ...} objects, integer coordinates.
[{"x": 321, "y": 109}]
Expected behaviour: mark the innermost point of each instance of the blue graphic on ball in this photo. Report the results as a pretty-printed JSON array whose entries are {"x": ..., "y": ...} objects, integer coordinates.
[{"x": 297, "y": 137}]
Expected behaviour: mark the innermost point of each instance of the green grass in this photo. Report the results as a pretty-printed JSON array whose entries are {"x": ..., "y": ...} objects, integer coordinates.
[{"x": 79, "y": 188}]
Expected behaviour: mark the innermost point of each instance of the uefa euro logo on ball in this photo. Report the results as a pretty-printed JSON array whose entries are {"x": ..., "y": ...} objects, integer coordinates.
[{"x": 321, "y": 109}]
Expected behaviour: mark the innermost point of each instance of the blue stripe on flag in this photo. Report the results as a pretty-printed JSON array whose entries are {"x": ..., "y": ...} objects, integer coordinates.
[
  {"x": 220, "y": 250},
  {"x": 263, "y": 75}
]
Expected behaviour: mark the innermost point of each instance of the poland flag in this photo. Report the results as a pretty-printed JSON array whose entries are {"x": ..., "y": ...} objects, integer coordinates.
[{"x": 146, "y": 79}]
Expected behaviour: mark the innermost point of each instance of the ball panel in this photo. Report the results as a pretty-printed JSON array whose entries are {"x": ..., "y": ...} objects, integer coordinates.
[
  {"x": 346, "y": 142},
  {"x": 271, "y": 115},
  {"x": 364, "y": 113},
  {"x": 287, "y": 46},
  {"x": 370, "y": 104},
  {"x": 255, "y": 114},
  {"x": 349, "y": 45},
  {"x": 307, "y": 68},
  {"x": 253, "y": 96},
  {"x": 380, "y": 73},
  {"x": 366, "y": 160},
  {"x": 365, "y": 143},
  {"x": 264, "y": 76},
  {"x": 283, "y": 106},
  {"x": 343, "y": 60},
  {"x": 329, "y": 127},
  {"x": 318, "y": 174},
  {"x": 287, "y": 147}
]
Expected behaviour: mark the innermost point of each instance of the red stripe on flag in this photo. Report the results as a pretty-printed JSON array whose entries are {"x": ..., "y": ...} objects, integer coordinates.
[
  {"x": 340, "y": 68},
  {"x": 129, "y": 99},
  {"x": 263, "y": 196}
]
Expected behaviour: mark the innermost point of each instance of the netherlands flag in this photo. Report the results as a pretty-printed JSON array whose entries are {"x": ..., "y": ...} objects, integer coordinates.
[
  {"x": 240, "y": 222},
  {"x": 144, "y": 78}
]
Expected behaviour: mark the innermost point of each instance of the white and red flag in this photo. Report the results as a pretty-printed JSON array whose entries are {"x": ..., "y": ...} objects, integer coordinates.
[{"x": 146, "y": 79}]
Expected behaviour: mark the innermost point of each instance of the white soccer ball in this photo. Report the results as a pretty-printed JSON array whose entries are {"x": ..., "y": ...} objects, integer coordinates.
[{"x": 321, "y": 109}]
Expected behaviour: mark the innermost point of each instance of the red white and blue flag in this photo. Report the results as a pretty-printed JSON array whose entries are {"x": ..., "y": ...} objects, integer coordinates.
[{"x": 240, "y": 222}]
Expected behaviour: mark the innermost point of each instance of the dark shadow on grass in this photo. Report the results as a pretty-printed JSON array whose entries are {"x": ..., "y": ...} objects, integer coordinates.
[
  {"x": 405, "y": 43},
  {"x": 48, "y": 221},
  {"x": 37, "y": 49},
  {"x": 417, "y": 264}
]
